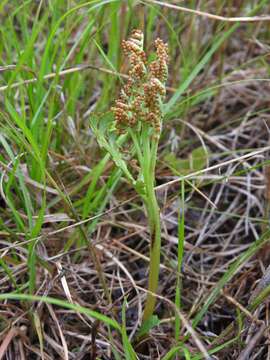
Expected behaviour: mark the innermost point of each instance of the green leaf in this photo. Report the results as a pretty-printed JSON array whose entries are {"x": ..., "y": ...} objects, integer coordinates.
[
  {"x": 171, "y": 354},
  {"x": 148, "y": 325},
  {"x": 110, "y": 142},
  {"x": 39, "y": 330},
  {"x": 129, "y": 351},
  {"x": 140, "y": 187},
  {"x": 64, "y": 304},
  {"x": 197, "y": 160}
]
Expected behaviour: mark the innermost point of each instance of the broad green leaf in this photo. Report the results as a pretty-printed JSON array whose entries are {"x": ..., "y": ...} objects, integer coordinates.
[
  {"x": 197, "y": 160},
  {"x": 148, "y": 325}
]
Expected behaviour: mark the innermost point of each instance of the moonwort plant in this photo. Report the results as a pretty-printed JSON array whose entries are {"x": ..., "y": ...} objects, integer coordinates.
[{"x": 135, "y": 124}]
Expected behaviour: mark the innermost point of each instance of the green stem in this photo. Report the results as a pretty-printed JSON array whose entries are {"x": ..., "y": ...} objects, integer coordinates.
[
  {"x": 155, "y": 233},
  {"x": 153, "y": 213}
]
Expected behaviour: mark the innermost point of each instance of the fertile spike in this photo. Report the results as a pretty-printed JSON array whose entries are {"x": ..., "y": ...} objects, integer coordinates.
[{"x": 141, "y": 98}]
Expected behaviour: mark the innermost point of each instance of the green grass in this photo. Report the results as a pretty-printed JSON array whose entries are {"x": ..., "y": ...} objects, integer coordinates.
[{"x": 51, "y": 164}]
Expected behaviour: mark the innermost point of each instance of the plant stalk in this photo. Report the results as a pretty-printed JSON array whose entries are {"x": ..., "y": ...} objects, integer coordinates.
[{"x": 153, "y": 213}]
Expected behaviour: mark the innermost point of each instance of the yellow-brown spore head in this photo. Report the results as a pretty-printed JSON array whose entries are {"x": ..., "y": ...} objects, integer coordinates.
[{"x": 141, "y": 98}]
